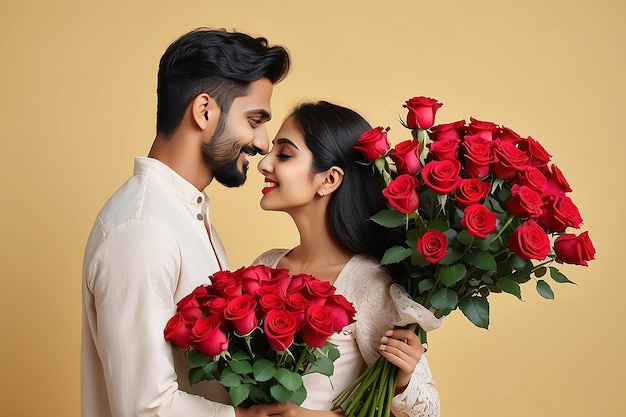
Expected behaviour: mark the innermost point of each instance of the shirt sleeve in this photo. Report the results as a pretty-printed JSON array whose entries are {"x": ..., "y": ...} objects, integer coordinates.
[{"x": 133, "y": 276}]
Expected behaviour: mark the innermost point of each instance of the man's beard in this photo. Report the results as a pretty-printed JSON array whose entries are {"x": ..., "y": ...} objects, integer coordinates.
[{"x": 222, "y": 155}]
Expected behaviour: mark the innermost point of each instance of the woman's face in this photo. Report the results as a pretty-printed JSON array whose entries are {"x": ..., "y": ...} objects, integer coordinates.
[{"x": 289, "y": 181}]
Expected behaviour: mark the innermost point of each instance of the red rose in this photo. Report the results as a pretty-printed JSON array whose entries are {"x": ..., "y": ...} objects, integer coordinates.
[
  {"x": 208, "y": 338},
  {"x": 406, "y": 156},
  {"x": 529, "y": 241},
  {"x": 574, "y": 249},
  {"x": 298, "y": 282},
  {"x": 270, "y": 302},
  {"x": 532, "y": 178},
  {"x": 343, "y": 311},
  {"x": 189, "y": 307},
  {"x": 297, "y": 305},
  {"x": 240, "y": 313},
  {"x": 433, "y": 245},
  {"x": 556, "y": 180},
  {"x": 537, "y": 155},
  {"x": 471, "y": 191},
  {"x": 224, "y": 284},
  {"x": 401, "y": 193},
  {"x": 509, "y": 160},
  {"x": 318, "y": 325},
  {"x": 374, "y": 143},
  {"x": 478, "y": 156},
  {"x": 253, "y": 277},
  {"x": 445, "y": 131},
  {"x": 318, "y": 291},
  {"x": 443, "y": 149},
  {"x": 478, "y": 221},
  {"x": 215, "y": 306},
  {"x": 278, "y": 287},
  {"x": 421, "y": 112},
  {"x": 442, "y": 176},
  {"x": 524, "y": 202},
  {"x": 280, "y": 327},
  {"x": 485, "y": 130},
  {"x": 178, "y": 331},
  {"x": 507, "y": 135},
  {"x": 559, "y": 212}
]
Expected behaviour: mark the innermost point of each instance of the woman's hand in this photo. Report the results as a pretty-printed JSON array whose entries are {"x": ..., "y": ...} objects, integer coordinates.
[{"x": 402, "y": 348}]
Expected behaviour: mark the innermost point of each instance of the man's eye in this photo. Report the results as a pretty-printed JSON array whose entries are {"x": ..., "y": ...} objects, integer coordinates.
[{"x": 254, "y": 122}]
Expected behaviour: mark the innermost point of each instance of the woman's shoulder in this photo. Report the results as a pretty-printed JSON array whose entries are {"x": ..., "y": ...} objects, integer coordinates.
[
  {"x": 367, "y": 271},
  {"x": 271, "y": 257}
]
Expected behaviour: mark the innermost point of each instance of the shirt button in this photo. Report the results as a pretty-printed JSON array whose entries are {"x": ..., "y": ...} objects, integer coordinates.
[
  {"x": 199, "y": 199},
  {"x": 200, "y": 216}
]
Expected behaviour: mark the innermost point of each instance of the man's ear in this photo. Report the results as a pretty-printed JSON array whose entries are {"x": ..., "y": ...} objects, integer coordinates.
[
  {"x": 204, "y": 111},
  {"x": 332, "y": 179}
]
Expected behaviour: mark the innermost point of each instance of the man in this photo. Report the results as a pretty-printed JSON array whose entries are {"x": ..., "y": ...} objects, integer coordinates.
[{"x": 153, "y": 243}]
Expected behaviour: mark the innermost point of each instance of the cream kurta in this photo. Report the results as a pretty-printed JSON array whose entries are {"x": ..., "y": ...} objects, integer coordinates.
[
  {"x": 148, "y": 248},
  {"x": 364, "y": 283}
]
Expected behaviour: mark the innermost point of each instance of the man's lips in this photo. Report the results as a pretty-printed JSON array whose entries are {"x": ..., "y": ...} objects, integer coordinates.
[{"x": 269, "y": 186}]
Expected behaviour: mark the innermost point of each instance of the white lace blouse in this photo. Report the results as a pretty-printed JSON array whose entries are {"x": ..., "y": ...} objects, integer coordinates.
[{"x": 364, "y": 283}]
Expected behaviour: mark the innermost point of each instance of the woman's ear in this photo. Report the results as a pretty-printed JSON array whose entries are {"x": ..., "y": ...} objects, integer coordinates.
[
  {"x": 204, "y": 111},
  {"x": 331, "y": 180}
]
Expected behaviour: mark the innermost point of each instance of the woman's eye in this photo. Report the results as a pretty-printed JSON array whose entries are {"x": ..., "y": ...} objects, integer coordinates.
[{"x": 282, "y": 155}]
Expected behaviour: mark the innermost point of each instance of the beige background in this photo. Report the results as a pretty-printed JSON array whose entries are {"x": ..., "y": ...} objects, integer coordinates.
[{"x": 77, "y": 103}]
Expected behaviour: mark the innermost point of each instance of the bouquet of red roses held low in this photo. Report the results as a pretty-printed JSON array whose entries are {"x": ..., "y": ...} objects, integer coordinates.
[
  {"x": 258, "y": 330},
  {"x": 484, "y": 210}
]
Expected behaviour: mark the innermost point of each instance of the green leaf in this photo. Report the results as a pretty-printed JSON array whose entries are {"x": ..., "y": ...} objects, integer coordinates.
[
  {"x": 195, "y": 375},
  {"x": 330, "y": 350},
  {"x": 290, "y": 380},
  {"x": 439, "y": 224},
  {"x": 240, "y": 355},
  {"x": 476, "y": 309},
  {"x": 280, "y": 393},
  {"x": 559, "y": 277},
  {"x": 322, "y": 365},
  {"x": 229, "y": 378},
  {"x": 464, "y": 237},
  {"x": 481, "y": 260},
  {"x": 395, "y": 254},
  {"x": 509, "y": 286},
  {"x": 539, "y": 272},
  {"x": 444, "y": 298},
  {"x": 238, "y": 394},
  {"x": 450, "y": 275},
  {"x": 196, "y": 359},
  {"x": 452, "y": 256},
  {"x": 543, "y": 288},
  {"x": 517, "y": 262},
  {"x": 240, "y": 367},
  {"x": 211, "y": 371},
  {"x": 298, "y": 396},
  {"x": 263, "y": 370},
  {"x": 425, "y": 285},
  {"x": 389, "y": 218}
]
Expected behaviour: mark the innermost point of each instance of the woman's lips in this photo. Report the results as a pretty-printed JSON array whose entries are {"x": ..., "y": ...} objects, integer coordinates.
[{"x": 269, "y": 186}]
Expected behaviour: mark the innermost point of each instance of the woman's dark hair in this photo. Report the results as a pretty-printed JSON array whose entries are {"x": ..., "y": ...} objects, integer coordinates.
[
  {"x": 217, "y": 62},
  {"x": 329, "y": 132}
]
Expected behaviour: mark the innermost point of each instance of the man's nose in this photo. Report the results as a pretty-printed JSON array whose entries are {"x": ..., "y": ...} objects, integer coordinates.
[{"x": 261, "y": 141}]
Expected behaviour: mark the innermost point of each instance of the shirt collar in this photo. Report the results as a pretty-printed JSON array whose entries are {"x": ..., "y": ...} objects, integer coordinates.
[{"x": 179, "y": 186}]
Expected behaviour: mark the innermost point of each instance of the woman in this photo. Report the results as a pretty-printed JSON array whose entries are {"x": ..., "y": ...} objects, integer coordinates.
[{"x": 312, "y": 174}]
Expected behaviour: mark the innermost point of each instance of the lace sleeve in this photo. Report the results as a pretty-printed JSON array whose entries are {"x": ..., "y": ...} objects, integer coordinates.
[{"x": 420, "y": 397}]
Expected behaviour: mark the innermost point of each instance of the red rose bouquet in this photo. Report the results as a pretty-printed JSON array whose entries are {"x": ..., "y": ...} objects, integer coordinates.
[
  {"x": 258, "y": 330},
  {"x": 484, "y": 210}
]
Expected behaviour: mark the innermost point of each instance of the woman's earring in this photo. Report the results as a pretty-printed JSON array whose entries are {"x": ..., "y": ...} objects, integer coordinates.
[{"x": 321, "y": 193}]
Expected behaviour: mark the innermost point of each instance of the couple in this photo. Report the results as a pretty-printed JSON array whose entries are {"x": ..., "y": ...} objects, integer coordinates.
[{"x": 153, "y": 242}]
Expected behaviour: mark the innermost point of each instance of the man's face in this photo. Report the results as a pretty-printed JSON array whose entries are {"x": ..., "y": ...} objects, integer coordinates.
[{"x": 240, "y": 132}]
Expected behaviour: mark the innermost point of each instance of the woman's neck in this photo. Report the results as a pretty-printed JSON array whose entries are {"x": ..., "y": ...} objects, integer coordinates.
[{"x": 318, "y": 254}]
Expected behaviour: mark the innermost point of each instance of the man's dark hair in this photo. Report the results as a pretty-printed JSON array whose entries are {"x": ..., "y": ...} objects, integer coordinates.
[
  {"x": 217, "y": 62},
  {"x": 330, "y": 131}
]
